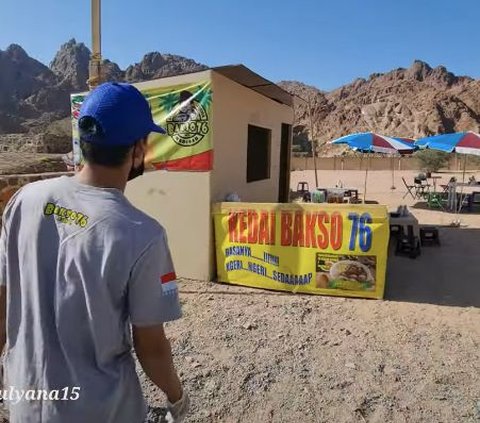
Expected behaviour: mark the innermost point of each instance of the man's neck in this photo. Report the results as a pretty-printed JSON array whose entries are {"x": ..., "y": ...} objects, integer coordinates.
[{"x": 102, "y": 177}]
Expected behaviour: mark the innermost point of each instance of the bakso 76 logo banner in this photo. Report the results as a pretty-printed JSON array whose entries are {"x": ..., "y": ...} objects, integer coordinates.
[
  {"x": 185, "y": 113},
  {"x": 326, "y": 249}
]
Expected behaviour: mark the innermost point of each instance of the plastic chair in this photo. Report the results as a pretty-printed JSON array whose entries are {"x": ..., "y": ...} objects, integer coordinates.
[{"x": 408, "y": 244}]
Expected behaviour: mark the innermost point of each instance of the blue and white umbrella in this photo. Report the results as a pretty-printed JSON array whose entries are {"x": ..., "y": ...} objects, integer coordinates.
[{"x": 458, "y": 142}]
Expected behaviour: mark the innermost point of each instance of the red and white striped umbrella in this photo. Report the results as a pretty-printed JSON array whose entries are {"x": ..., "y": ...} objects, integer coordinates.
[{"x": 370, "y": 142}]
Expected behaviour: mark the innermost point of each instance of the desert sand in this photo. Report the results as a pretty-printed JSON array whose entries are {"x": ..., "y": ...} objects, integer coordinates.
[
  {"x": 255, "y": 356},
  {"x": 248, "y": 355}
]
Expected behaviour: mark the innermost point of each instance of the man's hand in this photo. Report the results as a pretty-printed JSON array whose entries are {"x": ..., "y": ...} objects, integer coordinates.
[
  {"x": 178, "y": 411},
  {"x": 155, "y": 355}
]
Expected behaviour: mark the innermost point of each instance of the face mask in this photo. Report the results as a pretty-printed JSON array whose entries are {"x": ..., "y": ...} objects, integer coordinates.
[{"x": 134, "y": 172}]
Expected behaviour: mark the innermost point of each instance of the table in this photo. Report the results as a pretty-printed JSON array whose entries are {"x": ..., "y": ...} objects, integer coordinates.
[
  {"x": 406, "y": 221},
  {"x": 341, "y": 193},
  {"x": 452, "y": 200}
]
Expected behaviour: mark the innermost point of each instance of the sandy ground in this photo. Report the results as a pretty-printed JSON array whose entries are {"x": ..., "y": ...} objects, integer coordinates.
[
  {"x": 249, "y": 355},
  {"x": 257, "y": 356},
  {"x": 379, "y": 190}
]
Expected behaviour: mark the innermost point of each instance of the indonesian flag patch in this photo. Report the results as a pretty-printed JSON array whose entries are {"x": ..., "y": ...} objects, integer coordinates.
[
  {"x": 169, "y": 283},
  {"x": 168, "y": 277}
]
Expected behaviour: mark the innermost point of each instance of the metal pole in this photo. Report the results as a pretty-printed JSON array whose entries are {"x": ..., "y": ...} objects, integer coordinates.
[
  {"x": 393, "y": 174},
  {"x": 365, "y": 185},
  {"x": 95, "y": 74},
  {"x": 313, "y": 141}
]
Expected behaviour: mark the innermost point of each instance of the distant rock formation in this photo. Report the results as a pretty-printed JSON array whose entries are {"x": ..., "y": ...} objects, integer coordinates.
[
  {"x": 34, "y": 96},
  {"x": 413, "y": 102}
]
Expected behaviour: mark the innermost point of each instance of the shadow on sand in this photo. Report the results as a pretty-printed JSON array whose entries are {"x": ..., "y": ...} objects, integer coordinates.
[
  {"x": 423, "y": 205},
  {"x": 444, "y": 275}
]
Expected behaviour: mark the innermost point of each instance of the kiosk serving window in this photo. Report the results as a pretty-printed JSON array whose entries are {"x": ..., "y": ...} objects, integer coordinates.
[{"x": 258, "y": 153}]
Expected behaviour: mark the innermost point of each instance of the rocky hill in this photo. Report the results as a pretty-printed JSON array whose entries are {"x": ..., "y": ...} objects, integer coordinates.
[
  {"x": 412, "y": 102},
  {"x": 35, "y": 98}
]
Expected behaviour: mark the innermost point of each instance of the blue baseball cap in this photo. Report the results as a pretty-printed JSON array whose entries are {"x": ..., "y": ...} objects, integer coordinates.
[{"x": 116, "y": 114}]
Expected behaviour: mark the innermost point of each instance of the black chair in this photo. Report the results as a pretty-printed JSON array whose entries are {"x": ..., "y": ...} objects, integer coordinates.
[
  {"x": 302, "y": 187},
  {"x": 352, "y": 196},
  {"x": 421, "y": 188},
  {"x": 465, "y": 201},
  {"x": 408, "y": 244},
  {"x": 475, "y": 198},
  {"x": 429, "y": 235},
  {"x": 396, "y": 230}
]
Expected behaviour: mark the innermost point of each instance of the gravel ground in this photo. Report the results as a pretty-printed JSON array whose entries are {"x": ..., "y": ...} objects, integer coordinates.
[{"x": 248, "y": 355}]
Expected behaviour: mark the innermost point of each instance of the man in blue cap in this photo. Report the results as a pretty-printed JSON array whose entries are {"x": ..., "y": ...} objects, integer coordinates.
[{"x": 84, "y": 275}]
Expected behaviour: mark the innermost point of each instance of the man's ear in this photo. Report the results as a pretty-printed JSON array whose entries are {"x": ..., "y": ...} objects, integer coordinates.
[{"x": 139, "y": 151}]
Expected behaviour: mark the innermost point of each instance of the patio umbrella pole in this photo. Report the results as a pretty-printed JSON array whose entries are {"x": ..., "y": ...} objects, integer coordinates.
[
  {"x": 459, "y": 208},
  {"x": 365, "y": 185},
  {"x": 313, "y": 141},
  {"x": 393, "y": 174}
]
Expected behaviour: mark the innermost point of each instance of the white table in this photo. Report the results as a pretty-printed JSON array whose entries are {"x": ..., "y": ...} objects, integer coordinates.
[{"x": 453, "y": 194}]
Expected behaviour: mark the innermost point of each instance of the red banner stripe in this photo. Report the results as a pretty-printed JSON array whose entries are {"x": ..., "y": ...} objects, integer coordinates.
[
  {"x": 199, "y": 162},
  {"x": 169, "y": 277}
]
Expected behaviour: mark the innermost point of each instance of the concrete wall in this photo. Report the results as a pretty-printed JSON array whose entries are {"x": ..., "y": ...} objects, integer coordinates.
[
  {"x": 234, "y": 108},
  {"x": 374, "y": 163},
  {"x": 180, "y": 201},
  {"x": 9, "y": 184}
]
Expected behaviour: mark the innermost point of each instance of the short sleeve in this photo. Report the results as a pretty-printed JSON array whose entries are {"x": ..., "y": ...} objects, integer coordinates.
[
  {"x": 6, "y": 221},
  {"x": 152, "y": 288},
  {"x": 3, "y": 254}
]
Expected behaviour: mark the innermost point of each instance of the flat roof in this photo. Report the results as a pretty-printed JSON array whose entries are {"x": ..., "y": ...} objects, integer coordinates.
[
  {"x": 246, "y": 77},
  {"x": 241, "y": 75}
]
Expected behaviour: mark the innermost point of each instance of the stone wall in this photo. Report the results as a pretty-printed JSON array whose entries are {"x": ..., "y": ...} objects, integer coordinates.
[
  {"x": 44, "y": 142},
  {"x": 9, "y": 184},
  {"x": 374, "y": 163}
]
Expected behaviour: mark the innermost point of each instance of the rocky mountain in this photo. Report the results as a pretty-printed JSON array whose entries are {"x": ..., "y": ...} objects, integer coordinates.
[
  {"x": 22, "y": 82},
  {"x": 413, "y": 102},
  {"x": 156, "y": 65},
  {"x": 70, "y": 64},
  {"x": 34, "y": 97}
]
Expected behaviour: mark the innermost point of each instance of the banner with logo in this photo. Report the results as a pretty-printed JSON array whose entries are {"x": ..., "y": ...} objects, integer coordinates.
[
  {"x": 329, "y": 249},
  {"x": 185, "y": 113}
]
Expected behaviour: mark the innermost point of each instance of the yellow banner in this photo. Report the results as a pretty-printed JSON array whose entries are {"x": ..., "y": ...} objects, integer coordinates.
[
  {"x": 330, "y": 249},
  {"x": 184, "y": 111}
]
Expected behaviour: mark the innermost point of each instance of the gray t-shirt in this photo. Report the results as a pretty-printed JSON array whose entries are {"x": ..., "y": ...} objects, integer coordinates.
[{"x": 80, "y": 264}]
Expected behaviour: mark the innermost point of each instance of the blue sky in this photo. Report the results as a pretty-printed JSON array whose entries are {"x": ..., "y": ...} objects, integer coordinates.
[{"x": 325, "y": 43}]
